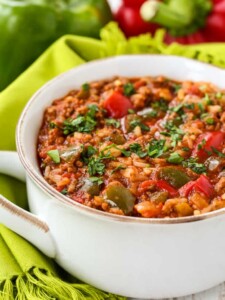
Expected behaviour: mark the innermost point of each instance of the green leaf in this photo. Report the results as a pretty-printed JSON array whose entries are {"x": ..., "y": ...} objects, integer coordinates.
[
  {"x": 137, "y": 122},
  {"x": 54, "y": 154},
  {"x": 137, "y": 149},
  {"x": 113, "y": 122},
  {"x": 97, "y": 180},
  {"x": 85, "y": 86},
  {"x": 156, "y": 148},
  {"x": 175, "y": 158},
  {"x": 128, "y": 89}
]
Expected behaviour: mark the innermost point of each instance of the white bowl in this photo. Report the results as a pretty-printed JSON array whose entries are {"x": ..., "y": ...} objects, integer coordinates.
[{"x": 135, "y": 257}]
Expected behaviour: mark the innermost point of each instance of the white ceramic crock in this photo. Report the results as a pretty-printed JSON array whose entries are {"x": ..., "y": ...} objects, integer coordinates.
[{"x": 143, "y": 258}]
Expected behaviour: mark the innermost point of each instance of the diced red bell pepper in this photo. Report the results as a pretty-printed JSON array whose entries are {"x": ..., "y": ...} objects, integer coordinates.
[
  {"x": 117, "y": 105},
  {"x": 160, "y": 184},
  {"x": 206, "y": 142},
  {"x": 202, "y": 184}
]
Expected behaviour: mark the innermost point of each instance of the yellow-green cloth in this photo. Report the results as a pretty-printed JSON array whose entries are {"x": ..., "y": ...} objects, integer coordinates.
[{"x": 68, "y": 52}]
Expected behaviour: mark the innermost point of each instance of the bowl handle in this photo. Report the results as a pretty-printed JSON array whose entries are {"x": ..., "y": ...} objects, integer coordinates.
[{"x": 26, "y": 224}]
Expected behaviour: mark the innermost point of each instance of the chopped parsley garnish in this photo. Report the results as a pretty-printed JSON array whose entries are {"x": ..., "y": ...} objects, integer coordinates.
[
  {"x": 128, "y": 89},
  {"x": 200, "y": 146},
  {"x": 156, "y": 148},
  {"x": 210, "y": 121},
  {"x": 131, "y": 111},
  {"x": 97, "y": 180},
  {"x": 176, "y": 87},
  {"x": 179, "y": 109},
  {"x": 64, "y": 192},
  {"x": 87, "y": 153},
  {"x": 52, "y": 125},
  {"x": 207, "y": 99},
  {"x": 113, "y": 122},
  {"x": 220, "y": 154},
  {"x": 120, "y": 167},
  {"x": 84, "y": 123},
  {"x": 193, "y": 164},
  {"x": 54, "y": 154},
  {"x": 137, "y": 122},
  {"x": 219, "y": 95},
  {"x": 85, "y": 87},
  {"x": 160, "y": 105},
  {"x": 174, "y": 132},
  {"x": 175, "y": 158},
  {"x": 201, "y": 107},
  {"x": 136, "y": 148},
  {"x": 96, "y": 165}
]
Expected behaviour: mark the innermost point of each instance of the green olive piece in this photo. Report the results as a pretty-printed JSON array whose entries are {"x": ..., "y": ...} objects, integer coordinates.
[
  {"x": 120, "y": 195},
  {"x": 174, "y": 176},
  {"x": 90, "y": 187}
]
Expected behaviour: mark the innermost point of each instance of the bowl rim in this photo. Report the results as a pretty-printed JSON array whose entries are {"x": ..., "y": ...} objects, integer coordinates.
[{"x": 42, "y": 183}]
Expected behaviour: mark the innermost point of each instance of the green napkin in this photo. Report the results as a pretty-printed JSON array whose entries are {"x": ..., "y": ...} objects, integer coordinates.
[{"x": 33, "y": 276}]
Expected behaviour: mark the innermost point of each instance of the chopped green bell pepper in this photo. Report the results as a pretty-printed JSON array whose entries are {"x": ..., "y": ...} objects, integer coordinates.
[
  {"x": 28, "y": 27},
  {"x": 177, "y": 178},
  {"x": 121, "y": 196}
]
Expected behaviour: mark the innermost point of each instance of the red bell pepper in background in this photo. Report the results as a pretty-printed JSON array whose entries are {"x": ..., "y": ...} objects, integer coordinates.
[
  {"x": 202, "y": 184},
  {"x": 207, "y": 142},
  {"x": 160, "y": 184},
  {"x": 130, "y": 21},
  {"x": 117, "y": 105},
  {"x": 186, "y": 21}
]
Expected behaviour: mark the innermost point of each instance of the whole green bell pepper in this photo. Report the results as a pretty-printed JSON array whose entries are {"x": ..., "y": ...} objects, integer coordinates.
[{"x": 28, "y": 27}]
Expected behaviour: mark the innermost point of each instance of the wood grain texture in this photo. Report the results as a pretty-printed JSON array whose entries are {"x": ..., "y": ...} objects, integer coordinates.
[{"x": 216, "y": 293}]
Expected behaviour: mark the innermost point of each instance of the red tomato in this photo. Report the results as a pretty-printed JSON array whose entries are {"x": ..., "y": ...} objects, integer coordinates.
[
  {"x": 186, "y": 189},
  {"x": 160, "y": 184},
  {"x": 131, "y": 23},
  {"x": 206, "y": 142},
  {"x": 202, "y": 184},
  {"x": 133, "y": 3},
  {"x": 117, "y": 105}
]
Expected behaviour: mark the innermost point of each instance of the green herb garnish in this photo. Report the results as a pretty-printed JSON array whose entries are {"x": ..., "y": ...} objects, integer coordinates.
[
  {"x": 128, "y": 89},
  {"x": 136, "y": 148},
  {"x": 219, "y": 95},
  {"x": 97, "y": 180},
  {"x": 175, "y": 158},
  {"x": 220, "y": 154},
  {"x": 200, "y": 146},
  {"x": 174, "y": 132},
  {"x": 64, "y": 192},
  {"x": 113, "y": 122},
  {"x": 84, "y": 123},
  {"x": 160, "y": 105},
  {"x": 156, "y": 148},
  {"x": 137, "y": 122},
  {"x": 85, "y": 87},
  {"x": 131, "y": 111},
  {"x": 193, "y": 164},
  {"x": 210, "y": 121},
  {"x": 54, "y": 154},
  {"x": 120, "y": 167},
  {"x": 186, "y": 149},
  {"x": 52, "y": 125},
  {"x": 176, "y": 87}
]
